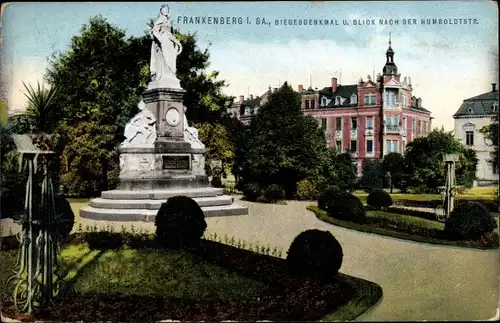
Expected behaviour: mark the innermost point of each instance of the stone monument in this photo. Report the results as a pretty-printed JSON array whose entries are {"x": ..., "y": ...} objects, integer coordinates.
[{"x": 161, "y": 155}]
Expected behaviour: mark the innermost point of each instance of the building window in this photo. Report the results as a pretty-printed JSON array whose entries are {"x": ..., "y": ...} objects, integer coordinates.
[
  {"x": 370, "y": 99},
  {"x": 307, "y": 104},
  {"x": 494, "y": 107},
  {"x": 395, "y": 146},
  {"x": 413, "y": 125},
  {"x": 354, "y": 99},
  {"x": 354, "y": 123},
  {"x": 403, "y": 149},
  {"x": 338, "y": 101},
  {"x": 338, "y": 124},
  {"x": 403, "y": 100},
  {"x": 424, "y": 129},
  {"x": 339, "y": 145},
  {"x": 404, "y": 124},
  {"x": 469, "y": 138},
  {"x": 323, "y": 123},
  {"x": 369, "y": 146},
  {"x": 469, "y": 110},
  {"x": 419, "y": 129},
  {"x": 354, "y": 146},
  {"x": 391, "y": 98},
  {"x": 313, "y": 104},
  {"x": 323, "y": 101},
  {"x": 369, "y": 123}
]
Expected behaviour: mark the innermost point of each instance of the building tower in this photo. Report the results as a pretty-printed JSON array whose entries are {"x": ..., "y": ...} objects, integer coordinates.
[{"x": 390, "y": 67}]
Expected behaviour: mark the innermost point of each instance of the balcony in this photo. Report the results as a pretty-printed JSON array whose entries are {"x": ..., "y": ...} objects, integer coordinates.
[
  {"x": 396, "y": 105},
  {"x": 392, "y": 129},
  {"x": 354, "y": 133}
]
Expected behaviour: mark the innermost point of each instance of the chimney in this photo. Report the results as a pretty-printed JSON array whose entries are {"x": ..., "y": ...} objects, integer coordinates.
[
  {"x": 334, "y": 84},
  {"x": 493, "y": 87},
  {"x": 242, "y": 98},
  {"x": 275, "y": 90},
  {"x": 301, "y": 88},
  {"x": 251, "y": 96}
]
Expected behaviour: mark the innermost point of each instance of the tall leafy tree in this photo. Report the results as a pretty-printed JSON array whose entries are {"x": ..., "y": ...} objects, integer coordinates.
[
  {"x": 424, "y": 159},
  {"x": 282, "y": 146},
  {"x": 372, "y": 174},
  {"x": 393, "y": 163}
]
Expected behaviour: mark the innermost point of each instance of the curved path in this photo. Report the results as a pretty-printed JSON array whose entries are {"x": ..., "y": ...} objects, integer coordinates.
[{"x": 420, "y": 281}]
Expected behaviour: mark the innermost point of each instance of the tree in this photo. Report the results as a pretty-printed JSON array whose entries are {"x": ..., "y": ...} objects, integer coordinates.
[
  {"x": 393, "y": 163},
  {"x": 424, "y": 159},
  {"x": 282, "y": 146},
  {"x": 336, "y": 170},
  {"x": 220, "y": 145},
  {"x": 372, "y": 174}
]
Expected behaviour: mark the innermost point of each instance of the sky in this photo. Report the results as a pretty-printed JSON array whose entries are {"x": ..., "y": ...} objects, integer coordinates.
[{"x": 447, "y": 63}]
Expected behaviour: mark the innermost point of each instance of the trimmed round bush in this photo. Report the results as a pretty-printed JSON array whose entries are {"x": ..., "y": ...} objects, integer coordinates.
[
  {"x": 330, "y": 194},
  {"x": 346, "y": 206},
  {"x": 469, "y": 220},
  {"x": 180, "y": 223},
  {"x": 274, "y": 192},
  {"x": 315, "y": 253},
  {"x": 306, "y": 190},
  {"x": 378, "y": 199},
  {"x": 251, "y": 191}
]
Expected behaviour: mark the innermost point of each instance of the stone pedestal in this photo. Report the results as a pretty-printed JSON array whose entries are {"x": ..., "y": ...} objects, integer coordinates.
[{"x": 174, "y": 164}]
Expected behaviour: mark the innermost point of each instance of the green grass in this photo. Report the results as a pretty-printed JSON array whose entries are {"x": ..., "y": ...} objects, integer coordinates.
[
  {"x": 148, "y": 272},
  {"x": 405, "y": 220}
]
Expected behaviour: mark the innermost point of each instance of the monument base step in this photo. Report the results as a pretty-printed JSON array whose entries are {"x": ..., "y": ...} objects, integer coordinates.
[
  {"x": 161, "y": 194},
  {"x": 148, "y": 215},
  {"x": 101, "y": 203}
]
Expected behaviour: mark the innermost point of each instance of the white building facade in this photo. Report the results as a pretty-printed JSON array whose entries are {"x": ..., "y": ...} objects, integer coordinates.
[{"x": 474, "y": 114}]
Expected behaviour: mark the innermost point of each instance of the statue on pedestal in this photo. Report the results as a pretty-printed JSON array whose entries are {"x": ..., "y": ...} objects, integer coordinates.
[
  {"x": 141, "y": 130},
  {"x": 164, "y": 52}
]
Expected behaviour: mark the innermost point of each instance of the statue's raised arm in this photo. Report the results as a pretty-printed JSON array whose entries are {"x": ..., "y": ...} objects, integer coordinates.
[{"x": 164, "y": 51}]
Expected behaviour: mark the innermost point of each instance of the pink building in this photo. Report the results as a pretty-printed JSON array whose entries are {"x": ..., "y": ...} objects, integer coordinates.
[{"x": 368, "y": 119}]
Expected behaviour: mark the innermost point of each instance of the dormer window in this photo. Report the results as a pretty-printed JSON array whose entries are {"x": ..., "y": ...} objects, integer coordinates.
[
  {"x": 354, "y": 99},
  {"x": 247, "y": 111},
  {"x": 494, "y": 107},
  {"x": 337, "y": 100},
  {"x": 323, "y": 101},
  {"x": 469, "y": 110},
  {"x": 255, "y": 110}
]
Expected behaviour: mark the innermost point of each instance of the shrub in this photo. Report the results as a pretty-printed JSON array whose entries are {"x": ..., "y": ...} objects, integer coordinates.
[
  {"x": 469, "y": 220},
  {"x": 216, "y": 182},
  {"x": 346, "y": 207},
  {"x": 379, "y": 199},
  {"x": 331, "y": 193},
  {"x": 306, "y": 190},
  {"x": 64, "y": 218},
  {"x": 180, "y": 223},
  {"x": 274, "y": 193},
  {"x": 104, "y": 240},
  {"x": 315, "y": 253},
  {"x": 251, "y": 191}
]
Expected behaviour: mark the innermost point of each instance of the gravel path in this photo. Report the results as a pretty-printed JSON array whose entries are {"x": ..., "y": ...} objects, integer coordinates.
[{"x": 420, "y": 281}]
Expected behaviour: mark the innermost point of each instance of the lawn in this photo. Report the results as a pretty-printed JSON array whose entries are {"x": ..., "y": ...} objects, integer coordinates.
[
  {"x": 406, "y": 227},
  {"x": 212, "y": 282}
]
